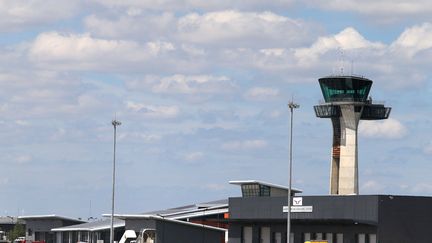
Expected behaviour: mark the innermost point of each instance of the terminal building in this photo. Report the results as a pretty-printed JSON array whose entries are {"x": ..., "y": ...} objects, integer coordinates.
[{"x": 258, "y": 216}]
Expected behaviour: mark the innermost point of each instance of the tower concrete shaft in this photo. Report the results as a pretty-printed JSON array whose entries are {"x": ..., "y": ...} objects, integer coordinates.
[
  {"x": 344, "y": 166},
  {"x": 346, "y": 104}
]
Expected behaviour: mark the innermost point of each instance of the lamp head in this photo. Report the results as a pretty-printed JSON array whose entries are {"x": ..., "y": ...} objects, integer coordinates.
[
  {"x": 116, "y": 123},
  {"x": 293, "y": 105}
]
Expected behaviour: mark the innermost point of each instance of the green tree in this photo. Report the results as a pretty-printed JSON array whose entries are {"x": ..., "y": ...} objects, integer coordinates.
[{"x": 17, "y": 231}]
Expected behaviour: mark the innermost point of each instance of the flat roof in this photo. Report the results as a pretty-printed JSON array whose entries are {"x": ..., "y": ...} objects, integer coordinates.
[
  {"x": 244, "y": 182},
  {"x": 50, "y": 216},
  {"x": 177, "y": 213},
  {"x": 154, "y": 217},
  {"x": 190, "y": 211},
  {"x": 92, "y": 226}
]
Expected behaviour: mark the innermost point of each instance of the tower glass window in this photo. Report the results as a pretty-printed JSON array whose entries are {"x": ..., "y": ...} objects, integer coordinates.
[
  {"x": 345, "y": 88},
  {"x": 255, "y": 190}
]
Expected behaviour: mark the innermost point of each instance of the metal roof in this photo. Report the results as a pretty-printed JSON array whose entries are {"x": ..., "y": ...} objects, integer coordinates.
[
  {"x": 142, "y": 216},
  {"x": 50, "y": 216},
  {"x": 178, "y": 213},
  {"x": 186, "y": 211},
  {"x": 243, "y": 182},
  {"x": 93, "y": 226}
]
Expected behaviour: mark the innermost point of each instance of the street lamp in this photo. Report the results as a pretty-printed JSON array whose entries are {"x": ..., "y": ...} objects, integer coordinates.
[
  {"x": 115, "y": 123},
  {"x": 291, "y": 106}
]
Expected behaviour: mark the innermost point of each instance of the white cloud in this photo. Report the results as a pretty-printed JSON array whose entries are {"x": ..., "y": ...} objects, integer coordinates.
[
  {"x": 348, "y": 39},
  {"x": 58, "y": 134},
  {"x": 193, "y": 50},
  {"x": 389, "y": 128},
  {"x": 184, "y": 84},
  {"x": 152, "y": 111},
  {"x": 246, "y": 144},
  {"x": 141, "y": 137},
  {"x": 81, "y": 51},
  {"x": 428, "y": 148},
  {"x": 23, "y": 159},
  {"x": 194, "y": 156},
  {"x": 23, "y": 123},
  {"x": 413, "y": 40},
  {"x": 384, "y": 10},
  {"x": 421, "y": 188},
  {"x": 227, "y": 28},
  {"x": 275, "y": 114},
  {"x": 234, "y": 28},
  {"x": 262, "y": 93},
  {"x": 29, "y": 94},
  {"x": 19, "y": 14},
  {"x": 273, "y": 51},
  {"x": 4, "y": 181},
  {"x": 132, "y": 26},
  {"x": 188, "y": 5},
  {"x": 372, "y": 186}
]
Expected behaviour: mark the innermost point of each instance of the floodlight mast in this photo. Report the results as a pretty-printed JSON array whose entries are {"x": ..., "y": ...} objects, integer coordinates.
[
  {"x": 115, "y": 123},
  {"x": 291, "y": 106}
]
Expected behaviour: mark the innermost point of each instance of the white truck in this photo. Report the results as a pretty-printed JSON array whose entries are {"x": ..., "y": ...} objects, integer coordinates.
[{"x": 145, "y": 236}]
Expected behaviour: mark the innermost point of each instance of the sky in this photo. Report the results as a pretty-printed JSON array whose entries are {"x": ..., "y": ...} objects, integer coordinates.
[{"x": 201, "y": 89}]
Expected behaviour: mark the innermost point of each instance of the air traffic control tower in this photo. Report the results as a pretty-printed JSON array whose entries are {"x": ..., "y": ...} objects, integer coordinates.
[{"x": 346, "y": 102}]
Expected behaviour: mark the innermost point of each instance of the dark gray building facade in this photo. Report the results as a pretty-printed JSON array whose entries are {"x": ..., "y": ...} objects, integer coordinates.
[
  {"x": 38, "y": 227},
  {"x": 337, "y": 219}
]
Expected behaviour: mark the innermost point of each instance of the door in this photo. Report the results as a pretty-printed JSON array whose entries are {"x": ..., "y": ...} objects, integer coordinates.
[
  {"x": 265, "y": 234},
  {"x": 278, "y": 237}
]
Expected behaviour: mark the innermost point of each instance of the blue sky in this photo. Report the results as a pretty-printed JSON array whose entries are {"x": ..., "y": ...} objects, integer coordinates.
[{"x": 201, "y": 88}]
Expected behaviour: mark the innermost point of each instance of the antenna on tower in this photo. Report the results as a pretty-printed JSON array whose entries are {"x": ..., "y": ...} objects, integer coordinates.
[
  {"x": 342, "y": 60},
  {"x": 90, "y": 211}
]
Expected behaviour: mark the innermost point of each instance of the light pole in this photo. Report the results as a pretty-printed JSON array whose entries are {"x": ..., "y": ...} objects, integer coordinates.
[
  {"x": 291, "y": 106},
  {"x": 115, "y": 123}
]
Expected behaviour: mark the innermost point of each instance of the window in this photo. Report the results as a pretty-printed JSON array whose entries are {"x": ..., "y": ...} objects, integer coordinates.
[
  {"x": 250, "y": 190},
  {"x": 255, "y": 190},
  {"x": 65, "y": 236},
  {"x": 349, "y": 89},
  {"x": 83, "y": 236},
  {"x": 329, "y": 237},
  {"x": 361, "y": 238},
  {"x": 277, "y": 237},
  {"x": 39, "y": 236},
  {"x": 306, "y": 236},
  {"x": 372, "y": 238},
  {"x": 264, "y": 191},
  {"x": 339, "y": 238},
  {"x": 247, "y": 234}
]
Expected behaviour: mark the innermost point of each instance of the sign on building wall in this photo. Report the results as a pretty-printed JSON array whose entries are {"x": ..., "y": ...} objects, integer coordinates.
[
  {"x": 297, "y": 201},
  {"x": 297, "y": 206},
  {"x": 298, "y": 209}
]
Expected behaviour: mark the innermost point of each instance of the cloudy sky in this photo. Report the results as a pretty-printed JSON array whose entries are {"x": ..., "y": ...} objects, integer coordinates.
[{"x": 201, "y": 89}]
